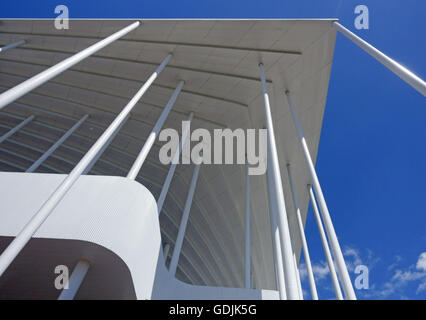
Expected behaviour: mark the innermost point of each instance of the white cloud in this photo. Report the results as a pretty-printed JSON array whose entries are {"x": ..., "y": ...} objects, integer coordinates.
[
  {"x": 303, "y": 272},
  {"x": 353, "y": 258},
  {"x": 405, "y": 276},
  {"x": 401, "y": 278},
  {"x": 320, "y": 270},
  {"x": 398, "y": 259},
  {"x": 421, "y": 287},
  {"x": 421, "y": 263}
]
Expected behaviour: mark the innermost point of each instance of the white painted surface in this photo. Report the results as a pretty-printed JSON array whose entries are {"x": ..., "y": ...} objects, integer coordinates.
[
  {"x": 113, "y": 212},
  {"x": 221, "y": 87}
]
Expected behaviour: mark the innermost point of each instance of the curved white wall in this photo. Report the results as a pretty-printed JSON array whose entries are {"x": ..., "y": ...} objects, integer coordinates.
[{"x": 112, "y": 212}]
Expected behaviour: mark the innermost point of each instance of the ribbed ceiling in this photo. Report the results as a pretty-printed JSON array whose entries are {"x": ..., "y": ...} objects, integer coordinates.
[{"x": 218, "y": 59}]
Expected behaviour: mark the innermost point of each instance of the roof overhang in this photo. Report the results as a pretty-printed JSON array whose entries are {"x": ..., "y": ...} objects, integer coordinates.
[{"x": 218, "y": 59}]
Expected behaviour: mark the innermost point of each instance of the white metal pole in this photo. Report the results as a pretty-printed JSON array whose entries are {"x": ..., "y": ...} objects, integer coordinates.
[
  {"x": 105, "y": 146},
  {"x": 183, "y": 223},
  {"x": 247, "y": 240},
  {"x": 55, "y": 146},
  {"x": 12, "y": 45},
  {"x": 172, "y": 168},
  {"x": 36, "y": 221},
  {"x": 324, "y": 242},
  {"x": 44, "y": 76},
  {"x": 311, "y": 278},
  {"x": 275, "y": 233},
  {"x": 16, "y": 128},
  {"x": 299, "y": 282},
  {"x": 286, "y": 247},
  {"x": 134, "y": 170},
  {"x": 279, "y": 268},
  {"x": 402, "y": 72},
  {"x": 334, "y": 242},
  {"x": 75, "y": 281},
  {"x": 166, "y": 250}
]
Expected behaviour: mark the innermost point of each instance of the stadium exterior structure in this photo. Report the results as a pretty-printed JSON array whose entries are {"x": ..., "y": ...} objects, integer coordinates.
[{"x": 82, "y": 186}]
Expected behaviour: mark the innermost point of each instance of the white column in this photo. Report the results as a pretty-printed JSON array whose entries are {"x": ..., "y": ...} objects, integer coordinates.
[
  {"x": 335, "y": 246},
  {"x": 105, "y": 146},
  {"x": 55, "y": 146},
  {"x": 75, "y": 280},
  {"x": 287, "y": 251},
  {"x": 134, "y": 170},
  {"x": 16, "y": 128},
  {"x": 299, "y": 282},
  {"x": 402, "y": 72},
  {"x": 172, "y": 168},
  {"x": 12, "y": 45},
  {"x": 275, "y": 233},
  {"x": 46, "y": 209},
  {"x": 166, "y": 251},
  {"x": 311, "y": 278},
  {"x": 44, "y": 76},
  {"x": 183, "y": 223},
  {"x": 247, "y": 240},
  {"x": 324, "y": 242}
]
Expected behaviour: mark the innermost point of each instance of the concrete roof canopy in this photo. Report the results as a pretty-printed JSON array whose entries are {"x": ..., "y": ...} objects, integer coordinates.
[{"x": 219, "y": 62}]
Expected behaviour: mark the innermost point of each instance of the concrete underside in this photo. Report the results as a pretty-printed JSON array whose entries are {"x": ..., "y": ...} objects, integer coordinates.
[{"x": 218, "y": 59}]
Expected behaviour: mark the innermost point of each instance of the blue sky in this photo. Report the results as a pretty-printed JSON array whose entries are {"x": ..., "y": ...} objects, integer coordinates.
[{"x": 372, "y": 152}]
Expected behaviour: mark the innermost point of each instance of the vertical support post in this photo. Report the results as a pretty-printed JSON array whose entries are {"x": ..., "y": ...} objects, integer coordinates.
[
  {"x": 152, "y": 136},
  {"x": 324, "y": 242},
  {"x": 278, "y": 258},
  {"x": 105, "y": 146},
  {"x": 16, "y": 128},
  {"x": 247, "y": 240},
  {"x": 166, "y": 251},
  {"x": 183, "y": 223},
  {"x": 173, "y": 165},
  {"x": 402, "y": 72},
  {"x": 12, "y": 45},
  {"x": 56, "y": 145},
  {"x": 13, "y": 249},
  {"x": 311, "y": 278},
  {"x": 286, "y": 247},
  {"x": 75, "y": 281},
  {"x": 299, "y": 282},
  {"x": 335, "y": 246},
  {"x": 44, "y": 76}
]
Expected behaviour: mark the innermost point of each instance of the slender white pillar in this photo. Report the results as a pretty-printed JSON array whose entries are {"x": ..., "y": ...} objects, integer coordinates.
[
  {"x": 175, "y": 160},
  {"x": 44, "y": 76},
  {"x": 55, "y": 146},
  {"x": 287, "y": 251},
  {"x": 183, "y": 223},
  {"x": 299, "y": 282},
  {"x": 311, "y": 278},
  {"x": 275, "y": 233},
  {"x": 16, "y": 128},
  {"x": 335, "y": 246},
  {"x": 173, "y": 165},
  {"x": 324, "y": 242},
  {"x": 166, "y": 250},
  {"x": 41, "y": 215},
  {"x": 134, "y": 170},
  {"x": 247, "y": 242},
  {"x": 12, "y": 45},
  {"x": 402, "y": 72},
  {"x": 75, "y": 280},
  {"x": 105, "y": 146}
]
